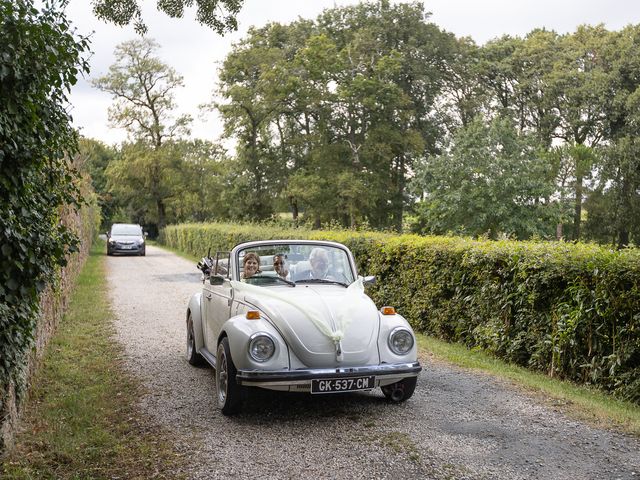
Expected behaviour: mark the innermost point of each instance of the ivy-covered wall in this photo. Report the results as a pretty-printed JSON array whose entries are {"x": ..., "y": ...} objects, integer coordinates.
[
  {"x": 40, "y": 60},
  {"x": 570, "y": 310}
]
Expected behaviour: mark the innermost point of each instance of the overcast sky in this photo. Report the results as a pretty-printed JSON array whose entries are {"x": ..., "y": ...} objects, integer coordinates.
[{"x": 195, "y": 51}]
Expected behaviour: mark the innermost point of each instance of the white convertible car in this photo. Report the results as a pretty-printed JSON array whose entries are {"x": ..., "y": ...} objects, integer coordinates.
[{"x": 292, "y": 315}]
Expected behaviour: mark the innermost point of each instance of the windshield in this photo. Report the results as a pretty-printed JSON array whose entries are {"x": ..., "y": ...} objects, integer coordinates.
[
  {"x": 126, "y": 230},
  {"x": 299, "y": 263}
]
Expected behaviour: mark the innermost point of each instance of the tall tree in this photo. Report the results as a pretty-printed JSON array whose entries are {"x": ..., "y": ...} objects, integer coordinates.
[
  {"x": 249, "y": 80},
  {"x": 464, "y": 96},
  {"x": 197, "y": 186},
  {"x": 96, "y": 157},
  {"x": 581, "y": 85},
  {"x": 392, "y": 48},
  {"x": 500, "y": 74},
  {"x": 492, "y": 181},
  {"x": 613, "y": 209},
  {"x": 534, "y": 59},
  {"x": 143, "y": 88},
  {"x": 350, "y": 96}
]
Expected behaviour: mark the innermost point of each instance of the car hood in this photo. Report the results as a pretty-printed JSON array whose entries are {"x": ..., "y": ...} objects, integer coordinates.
[
  {"x": 324, "y": 325},
  {"x": 126, "y": 238}
]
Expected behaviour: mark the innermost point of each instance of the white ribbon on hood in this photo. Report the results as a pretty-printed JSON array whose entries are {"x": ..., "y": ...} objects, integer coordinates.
[{"x": 347, "y": 303}]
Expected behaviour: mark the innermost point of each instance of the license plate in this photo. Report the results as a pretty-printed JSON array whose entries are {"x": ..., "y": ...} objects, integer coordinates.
[
  {"x": 127, "y": 247},
  {"x": 335, "y": 385}
]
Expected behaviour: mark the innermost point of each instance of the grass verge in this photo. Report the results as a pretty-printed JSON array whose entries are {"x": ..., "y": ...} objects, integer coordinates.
[
  {"x": 80, "y": 420},
  {"x": 580, "y": 402}
]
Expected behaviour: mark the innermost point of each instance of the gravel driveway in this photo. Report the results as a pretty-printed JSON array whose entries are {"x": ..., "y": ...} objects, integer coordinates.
[{"x": 458, "y": 425}]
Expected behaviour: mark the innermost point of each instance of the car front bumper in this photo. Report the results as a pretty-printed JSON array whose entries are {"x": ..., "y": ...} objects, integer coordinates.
[
  {"x": 300, "y": 380},
  {"x": 126, "y": 249}
]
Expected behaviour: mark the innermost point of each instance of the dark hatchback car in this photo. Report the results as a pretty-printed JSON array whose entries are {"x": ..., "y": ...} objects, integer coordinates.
[{"x": 125, "y": 238}]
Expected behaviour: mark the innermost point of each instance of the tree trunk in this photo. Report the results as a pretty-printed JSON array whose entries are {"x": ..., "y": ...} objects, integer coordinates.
[
  {"x": 577, "y": 216},
  {"x": 398, "y": 209},
  {"x": 294, "y": 209},
  {"x": 161, "y": 213},
  {"x": 623, "y": 238},
  {"x": 625, "y": 214}
]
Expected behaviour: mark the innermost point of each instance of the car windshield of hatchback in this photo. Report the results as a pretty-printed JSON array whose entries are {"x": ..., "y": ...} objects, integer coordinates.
[{"x": 127, "y": 230}]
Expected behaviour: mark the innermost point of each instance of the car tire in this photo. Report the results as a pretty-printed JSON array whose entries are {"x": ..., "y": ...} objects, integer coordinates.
[
  {"x": 143, "y": 252},
  {"x": 228, "y": 391},
  {"x": 193, "y": 357},
  {"x": 109, "y": 253},
  {"x": 400, "y": 391}
]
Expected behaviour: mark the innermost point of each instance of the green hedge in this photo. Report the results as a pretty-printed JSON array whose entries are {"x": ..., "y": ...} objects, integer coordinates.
[{"x": 570, "y": 310}]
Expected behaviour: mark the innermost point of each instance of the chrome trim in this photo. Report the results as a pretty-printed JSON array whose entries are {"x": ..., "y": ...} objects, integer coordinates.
[
  {"x": 395, "y": 330},
  {"x": 293, "y": 377},
  {"x": 261, "y": 334}
]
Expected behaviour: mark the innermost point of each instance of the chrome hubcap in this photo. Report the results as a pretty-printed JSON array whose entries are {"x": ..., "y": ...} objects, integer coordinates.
[
  {"x": 222, "y": 377},
  {"x": 190, "y": 340}
]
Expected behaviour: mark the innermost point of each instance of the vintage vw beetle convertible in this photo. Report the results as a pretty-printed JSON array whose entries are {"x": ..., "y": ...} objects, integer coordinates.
[{"x": 299, "y": 321}]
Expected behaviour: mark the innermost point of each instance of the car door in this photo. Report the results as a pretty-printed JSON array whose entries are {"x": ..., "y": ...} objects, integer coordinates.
[{"x": 216, "y": 301}]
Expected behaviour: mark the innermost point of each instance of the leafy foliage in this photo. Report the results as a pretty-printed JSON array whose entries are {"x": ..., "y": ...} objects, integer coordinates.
[
  {"x": 39, "y": 61},
  {"x": 371, "y": 115},
  {"x": 492, "y": 180},
  {"x": 346, "y": 99},
  {"x": 96, "y": 157},
  {"x": 143, "y": 88},
  {"x": 573, "y": 94},
  {"x": 219, "y": 15},
  {"x": 570, "y": 310},
  {"x": 189, "y": 177}
]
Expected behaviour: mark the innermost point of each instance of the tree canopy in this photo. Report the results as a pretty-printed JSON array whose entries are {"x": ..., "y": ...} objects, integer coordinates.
[
  {"x": 143, "y": 88},
  {"x": 219, "y": 15},
  {"x": 372, "y": 115}
]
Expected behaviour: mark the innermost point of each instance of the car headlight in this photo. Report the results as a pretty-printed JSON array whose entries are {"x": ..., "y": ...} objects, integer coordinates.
[
  {"x": 261, "y": 347},
  {"x": 400, "y": 341},
  {"x": 111, "y": 241}
]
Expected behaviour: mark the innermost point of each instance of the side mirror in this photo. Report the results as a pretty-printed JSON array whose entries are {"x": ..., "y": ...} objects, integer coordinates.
[
  {"x": 107, "y": 234},
  {"x": 369, "y": 280},
  {"x": 216, "y": 280}
]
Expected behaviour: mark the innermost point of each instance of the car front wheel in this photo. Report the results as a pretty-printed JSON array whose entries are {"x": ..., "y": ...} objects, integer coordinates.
[
  {"x": 193, "y": 357},
  {"x": 400, "y": 391},
  {"x": 229, "y": 392}
]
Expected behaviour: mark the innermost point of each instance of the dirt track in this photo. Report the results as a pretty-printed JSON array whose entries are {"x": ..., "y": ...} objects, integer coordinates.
[{"x": 457, "y": 425}]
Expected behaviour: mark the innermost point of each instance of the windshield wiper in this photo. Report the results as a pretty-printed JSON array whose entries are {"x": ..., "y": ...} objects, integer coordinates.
[
  {"x": 322, "y": 280},
  {"x": 288, "y": 282}
]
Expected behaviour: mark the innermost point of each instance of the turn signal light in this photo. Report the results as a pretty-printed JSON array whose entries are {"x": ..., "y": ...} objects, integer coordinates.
[
  {"x": 253, "y": 315},
  {"x": 388, "y": 311}
]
